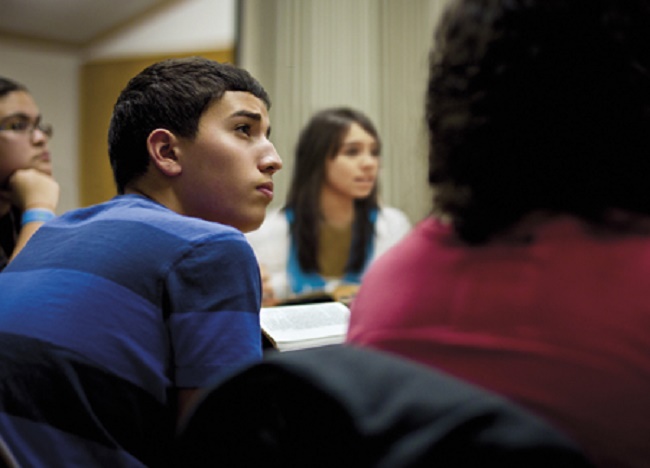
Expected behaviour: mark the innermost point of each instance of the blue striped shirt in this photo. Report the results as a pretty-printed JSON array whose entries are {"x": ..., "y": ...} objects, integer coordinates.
[{"x": 154, "y": 299}]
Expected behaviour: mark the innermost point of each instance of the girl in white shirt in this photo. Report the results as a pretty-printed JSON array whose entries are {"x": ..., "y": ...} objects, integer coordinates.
[{"x": 332, "y": 225}]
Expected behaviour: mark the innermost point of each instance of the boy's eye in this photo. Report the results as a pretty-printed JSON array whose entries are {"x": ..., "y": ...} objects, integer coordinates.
[{"x": 244, "y": 128}]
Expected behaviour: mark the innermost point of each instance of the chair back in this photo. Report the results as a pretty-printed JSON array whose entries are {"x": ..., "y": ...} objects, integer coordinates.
[{"x": 344, "y": 406}]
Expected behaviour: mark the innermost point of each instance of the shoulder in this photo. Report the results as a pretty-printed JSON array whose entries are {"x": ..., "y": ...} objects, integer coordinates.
[
  {"x": 392, "y": 222},
  {"x": 392, "y": 214},
  {"x": 143, "y": 228},
  {"x": 128, "y": 212}
]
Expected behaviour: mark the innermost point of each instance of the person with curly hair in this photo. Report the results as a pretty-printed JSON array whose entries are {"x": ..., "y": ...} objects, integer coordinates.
[{"x": 531, "y": 276}]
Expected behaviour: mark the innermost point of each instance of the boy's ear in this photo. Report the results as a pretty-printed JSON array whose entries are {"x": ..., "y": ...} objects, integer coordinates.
[{"x": 163, "y": 146}]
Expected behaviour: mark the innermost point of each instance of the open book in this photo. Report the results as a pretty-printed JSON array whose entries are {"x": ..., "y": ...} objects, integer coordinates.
[{"x": 299, "y": 326}]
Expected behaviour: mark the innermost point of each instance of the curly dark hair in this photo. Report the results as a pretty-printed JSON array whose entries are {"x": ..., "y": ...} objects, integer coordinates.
[
  {"x": 171, "y": 94},
  {"x": 539, "y": 105}
]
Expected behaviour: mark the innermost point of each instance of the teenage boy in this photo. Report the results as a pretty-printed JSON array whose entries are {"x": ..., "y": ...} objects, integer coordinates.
[{"x": 114, "y": 315}]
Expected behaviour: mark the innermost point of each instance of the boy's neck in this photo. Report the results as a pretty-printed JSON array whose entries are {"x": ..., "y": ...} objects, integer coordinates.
[{"x": 156, "y": 192}]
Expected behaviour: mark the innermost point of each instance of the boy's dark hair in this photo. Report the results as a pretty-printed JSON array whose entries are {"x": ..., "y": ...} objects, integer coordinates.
[
  {"x": 171, "y": 94},
  {"x": 319, "y": 140},
  {"x": 9, "y": 86},
  {"x": 539, "y": 105}
]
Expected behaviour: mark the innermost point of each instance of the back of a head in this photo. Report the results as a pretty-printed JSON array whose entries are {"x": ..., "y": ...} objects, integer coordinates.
[
  {"x": 539, "y": 105},
  {"x": 171, "y": 94}
]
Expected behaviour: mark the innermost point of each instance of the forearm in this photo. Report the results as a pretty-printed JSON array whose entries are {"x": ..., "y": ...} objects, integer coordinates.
[{"x": 37, "y": 195}]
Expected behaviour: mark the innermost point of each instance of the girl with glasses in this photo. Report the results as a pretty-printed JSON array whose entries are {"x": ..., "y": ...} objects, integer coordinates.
[{"x": 28, "y": 193}]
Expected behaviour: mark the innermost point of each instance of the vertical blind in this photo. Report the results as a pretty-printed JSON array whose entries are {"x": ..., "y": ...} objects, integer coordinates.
[{"x": 367, "y": 54}]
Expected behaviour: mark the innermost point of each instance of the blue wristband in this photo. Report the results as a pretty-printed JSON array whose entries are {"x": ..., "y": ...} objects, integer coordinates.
[{"x": 37, "y": 214}]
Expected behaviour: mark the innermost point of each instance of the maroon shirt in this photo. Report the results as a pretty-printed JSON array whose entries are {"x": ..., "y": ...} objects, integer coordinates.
[{"x": 559, "y": 322}]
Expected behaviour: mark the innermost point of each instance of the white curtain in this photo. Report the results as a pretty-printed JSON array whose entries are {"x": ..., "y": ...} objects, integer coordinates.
[{"x": 367, "y": 54}]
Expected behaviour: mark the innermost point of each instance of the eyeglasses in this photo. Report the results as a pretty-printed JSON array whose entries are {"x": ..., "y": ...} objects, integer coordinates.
[{"x": 24, "y": 125}]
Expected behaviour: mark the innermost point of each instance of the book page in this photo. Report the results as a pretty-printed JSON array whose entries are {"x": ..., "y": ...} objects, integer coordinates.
[{"x": 305, "y": 322}]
